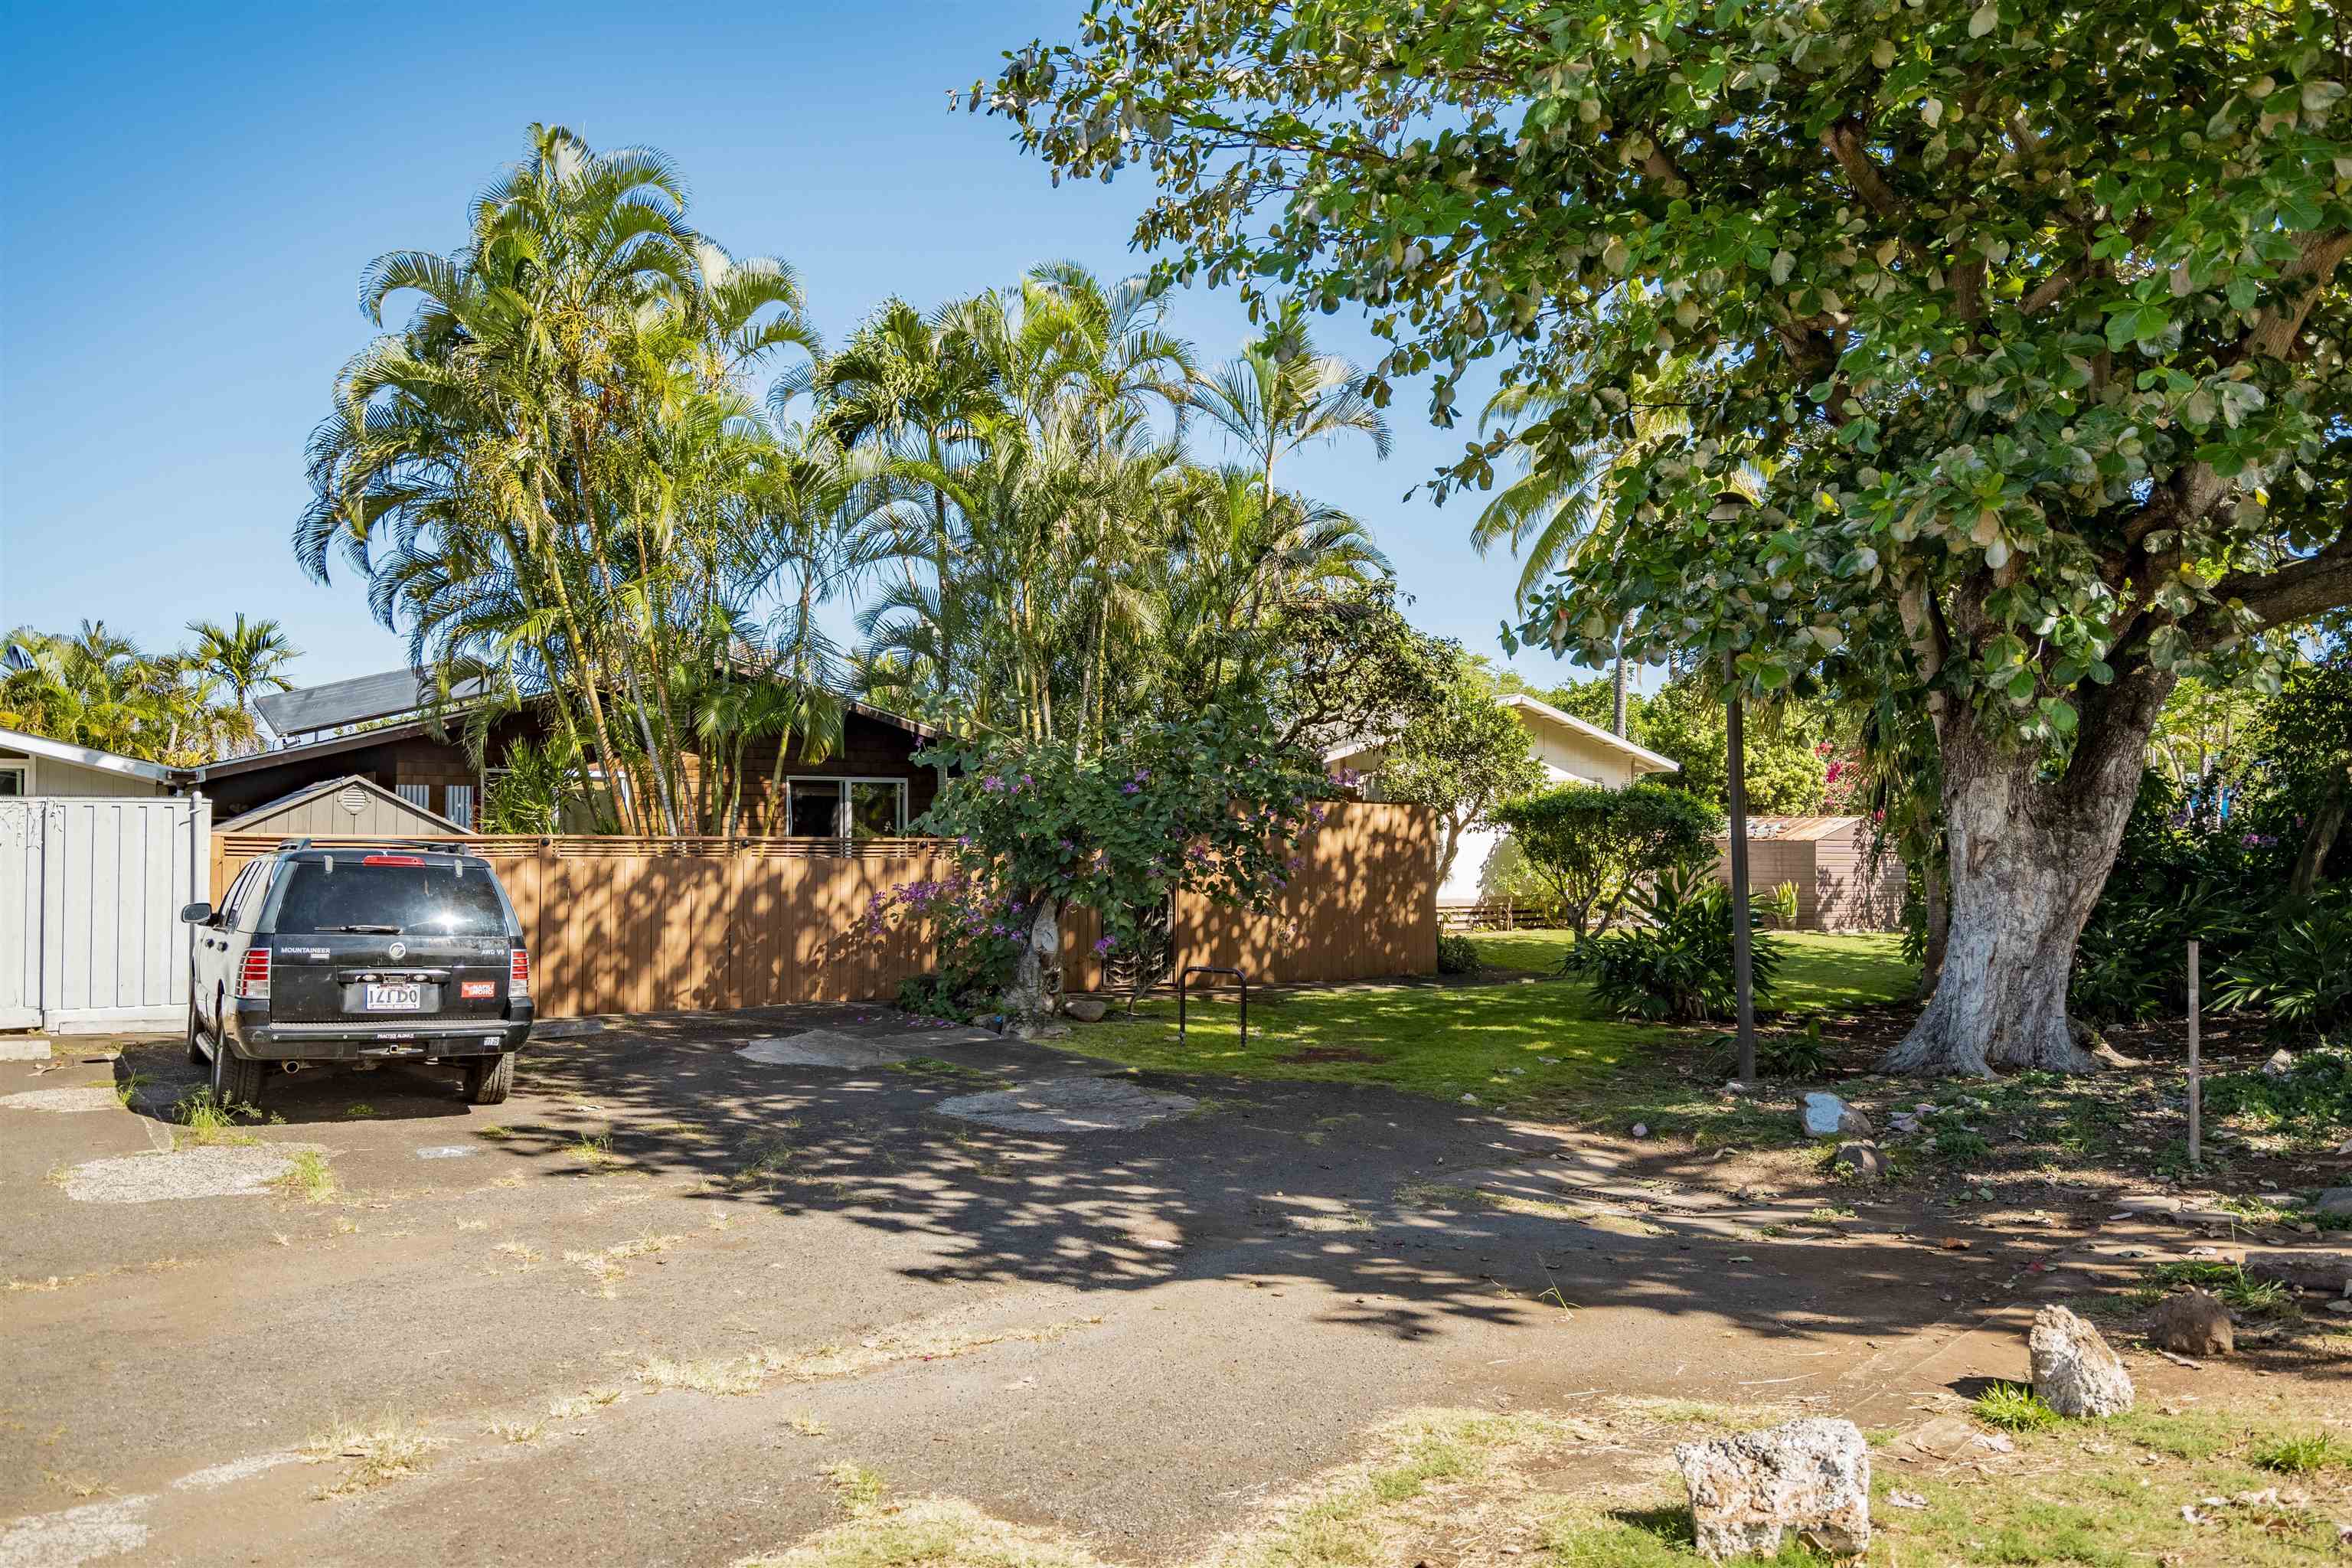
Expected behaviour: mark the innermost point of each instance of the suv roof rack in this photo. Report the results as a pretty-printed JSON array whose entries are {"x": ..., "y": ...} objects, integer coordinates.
[{"x": 434, "y": 846}]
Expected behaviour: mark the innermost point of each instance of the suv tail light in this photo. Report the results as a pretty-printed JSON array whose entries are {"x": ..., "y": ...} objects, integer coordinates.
[
  {"x": 519, "y": 974},
  {"x": 253, "y": 974}
]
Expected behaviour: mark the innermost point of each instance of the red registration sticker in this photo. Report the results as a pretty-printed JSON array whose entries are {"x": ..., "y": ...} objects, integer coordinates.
[{"x": 472, "y": 990}]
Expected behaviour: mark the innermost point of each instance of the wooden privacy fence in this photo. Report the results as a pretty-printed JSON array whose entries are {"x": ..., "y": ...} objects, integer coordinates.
[{"x": 666, "y": 925}]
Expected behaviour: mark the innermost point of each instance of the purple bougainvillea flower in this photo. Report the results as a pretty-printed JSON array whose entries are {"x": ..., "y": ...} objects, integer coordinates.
[{"x": 1103, "y": 947}]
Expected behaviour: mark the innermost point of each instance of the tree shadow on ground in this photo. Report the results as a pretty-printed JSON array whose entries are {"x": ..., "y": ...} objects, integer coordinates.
[{"x": 1271, "y": 1183}]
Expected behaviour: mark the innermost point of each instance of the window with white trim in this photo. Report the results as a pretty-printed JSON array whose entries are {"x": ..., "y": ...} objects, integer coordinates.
[
  {"x": 12, "y": 780},
  {"x": 845, "y": 807},
  {"x": 461, "y": 806}
]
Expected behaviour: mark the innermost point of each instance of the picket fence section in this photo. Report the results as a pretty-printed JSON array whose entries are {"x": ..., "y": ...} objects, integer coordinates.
[{"x": 669, "y": 925}]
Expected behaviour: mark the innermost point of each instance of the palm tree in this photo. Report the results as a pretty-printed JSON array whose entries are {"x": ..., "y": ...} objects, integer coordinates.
[
  {"x": 94, "y": 688},
  {"x": 543, "y": 468},
  {"x": 1554, "y": 507},
  {"x": 247, "y": 657},
  {"x": 1279, "y": 395}
]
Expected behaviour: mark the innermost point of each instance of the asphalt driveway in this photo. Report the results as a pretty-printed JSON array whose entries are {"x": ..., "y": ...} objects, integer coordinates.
[{"x": 630, "y": 1314}]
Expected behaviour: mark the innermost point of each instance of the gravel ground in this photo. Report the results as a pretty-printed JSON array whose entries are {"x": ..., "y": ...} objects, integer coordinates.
[
  {"x": 830, "y": 1049},
  {"x": 181, "y": 1173},
  {"x": 61, "y": 1099},
  {"x": 1069, "y": 1105}
]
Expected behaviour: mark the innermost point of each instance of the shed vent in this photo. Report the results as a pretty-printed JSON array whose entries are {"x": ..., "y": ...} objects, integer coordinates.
[{"x": 354, "y": 799}]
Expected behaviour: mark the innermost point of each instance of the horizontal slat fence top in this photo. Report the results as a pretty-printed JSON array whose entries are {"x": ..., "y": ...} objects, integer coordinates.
[{"x": 666, "y": 925}]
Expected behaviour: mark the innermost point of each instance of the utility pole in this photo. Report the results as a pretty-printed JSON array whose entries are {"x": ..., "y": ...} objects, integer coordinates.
[{"x": 1736, "y": 791}]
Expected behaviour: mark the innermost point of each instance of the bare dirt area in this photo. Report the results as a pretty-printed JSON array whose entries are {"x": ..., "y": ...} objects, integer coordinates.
[{"x": 678, "y": 1303}]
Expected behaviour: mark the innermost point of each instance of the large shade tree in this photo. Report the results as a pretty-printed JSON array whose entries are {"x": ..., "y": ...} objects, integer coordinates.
[{"x": 2028, "y": 314}]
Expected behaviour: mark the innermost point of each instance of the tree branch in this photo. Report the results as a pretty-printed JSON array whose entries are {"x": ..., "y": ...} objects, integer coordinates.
[
  {"x": 2273, "y": 333},
  {"x": 2297, "y": 591},
  {"x": 1843, "y": 139}
]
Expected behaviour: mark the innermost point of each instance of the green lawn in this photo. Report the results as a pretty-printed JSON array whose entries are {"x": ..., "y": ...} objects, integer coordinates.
[{"x": 1513, "y": 1044}]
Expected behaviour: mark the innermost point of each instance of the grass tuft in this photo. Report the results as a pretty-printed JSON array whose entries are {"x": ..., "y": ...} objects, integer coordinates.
[
  {"x": 2302, "y": 1454},
  {"x": 209, "y": 1122},
  {"x": 308, "y": 1177},
  {"x": 377, "y": 1451},
  {"x": 2014, "y": 1407}
]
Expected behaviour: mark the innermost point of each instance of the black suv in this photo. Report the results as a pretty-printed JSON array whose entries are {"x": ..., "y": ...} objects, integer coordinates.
[{"x": 359, "y": 954}]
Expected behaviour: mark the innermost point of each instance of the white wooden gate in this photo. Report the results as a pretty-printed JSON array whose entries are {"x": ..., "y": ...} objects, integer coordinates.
[{"x": 91, "y": 890}]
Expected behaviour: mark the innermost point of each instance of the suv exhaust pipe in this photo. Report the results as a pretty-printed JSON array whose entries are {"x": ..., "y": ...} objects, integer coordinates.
[{"x": 291, "y": 1068}]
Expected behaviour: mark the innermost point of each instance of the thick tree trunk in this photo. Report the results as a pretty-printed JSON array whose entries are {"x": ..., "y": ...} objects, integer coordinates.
[
  {"x": 1037, "y": 982},
  {"x": 2319, "y": 840},
  {"x": 2030, "y": 851}
]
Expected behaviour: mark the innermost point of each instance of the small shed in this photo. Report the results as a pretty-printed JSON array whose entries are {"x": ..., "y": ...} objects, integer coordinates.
[
  {"x": 1829, "y": 859},
  {"x": 346, "y": 806}
]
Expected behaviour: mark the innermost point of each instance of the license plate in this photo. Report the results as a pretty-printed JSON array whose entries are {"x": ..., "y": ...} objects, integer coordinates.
[{"x": 409, "y": 998}]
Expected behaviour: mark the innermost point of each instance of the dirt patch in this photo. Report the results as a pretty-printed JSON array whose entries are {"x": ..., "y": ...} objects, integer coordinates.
[
  {"x": 183, "y": 1173},
  {"x": 1069, "y": 1105}
]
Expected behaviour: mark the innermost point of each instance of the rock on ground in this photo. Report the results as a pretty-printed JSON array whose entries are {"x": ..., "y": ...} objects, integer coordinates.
[
  {"x": 1861, "y": 1159},
  {"x": 1827, "y": 1116},
  {"x": 2334, "y": 1201},
  {"x": 1809, "y": 1475},
  {"x": 2075, "y": 1372},
  {"x": 2193, "y": 1323},
  {"x": 1086, "y": 1009}
]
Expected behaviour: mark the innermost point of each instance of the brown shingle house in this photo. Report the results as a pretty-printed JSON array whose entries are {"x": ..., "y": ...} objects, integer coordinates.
[{"x": 869, "y": 787}]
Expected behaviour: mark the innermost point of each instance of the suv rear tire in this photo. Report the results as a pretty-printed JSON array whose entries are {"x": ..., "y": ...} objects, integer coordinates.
[
  {"x": 236, "y": 1081},
  {"x": 487, "y": 1081}
]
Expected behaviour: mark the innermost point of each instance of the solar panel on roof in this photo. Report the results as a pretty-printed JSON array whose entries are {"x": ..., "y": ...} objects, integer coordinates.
[{"x": 353, "y": 701}]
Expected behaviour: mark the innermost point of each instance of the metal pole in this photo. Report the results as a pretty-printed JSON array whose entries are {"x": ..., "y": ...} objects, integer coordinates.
[
  {"x": 1742, "y": 957},
  {"x": 2196, "y": 1088}
]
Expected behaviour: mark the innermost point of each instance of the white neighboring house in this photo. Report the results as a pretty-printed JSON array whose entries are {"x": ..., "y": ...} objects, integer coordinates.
[
  {"x": 34, "y": 765},
  {"x": 1570, "y": 751},
  {"x": 97, "y": 855}
]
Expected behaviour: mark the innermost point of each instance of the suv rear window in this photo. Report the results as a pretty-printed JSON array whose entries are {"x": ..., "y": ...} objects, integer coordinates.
[{"x": 344, "y": 890}]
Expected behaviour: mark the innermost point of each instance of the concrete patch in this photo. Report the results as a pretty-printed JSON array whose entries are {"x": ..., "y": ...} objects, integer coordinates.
[
  {"x": 448, "y": 1151},
  {"x": 832, "y": 1049},
  {"x": 1068, "y": 1105},
  {"x": 22, "y": 1051},
  {"x": 77, "y": 1536},
  {"x": 181, "y": 1174},
  {"x": 65, "y": 1100},
  {"x": 235, "y": 1470}
]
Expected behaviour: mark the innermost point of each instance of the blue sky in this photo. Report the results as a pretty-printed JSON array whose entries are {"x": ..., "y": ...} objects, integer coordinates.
[{"x": 195, "y": 191}]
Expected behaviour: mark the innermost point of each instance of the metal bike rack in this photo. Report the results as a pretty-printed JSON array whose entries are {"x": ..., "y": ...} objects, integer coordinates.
[{"x": 1183, "y": 988}]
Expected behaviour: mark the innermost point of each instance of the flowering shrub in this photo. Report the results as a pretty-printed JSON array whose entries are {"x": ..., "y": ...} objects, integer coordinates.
[
  {"x": 978, "y": 936},
  {"x": 1212, "y": 806}
]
